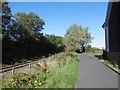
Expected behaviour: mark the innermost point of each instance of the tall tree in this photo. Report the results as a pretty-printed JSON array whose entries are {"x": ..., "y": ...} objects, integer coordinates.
[
  {"x": 86, "y": 37},
  {"x": 26, "y": 25},
  {"x": 76, "y": 37},
  {"x": 6, "y": 15}
]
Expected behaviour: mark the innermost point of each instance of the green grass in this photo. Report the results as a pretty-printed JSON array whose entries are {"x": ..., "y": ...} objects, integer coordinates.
[
  {"x": 99, "y": 52},
  {"x": 63, "y": 76},
  {"x": 113, "y": 66},
  {"x": 0, "y": 36}
]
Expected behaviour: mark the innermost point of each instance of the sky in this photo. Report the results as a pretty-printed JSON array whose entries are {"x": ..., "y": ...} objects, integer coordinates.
[{"x": 59, "y": 16}]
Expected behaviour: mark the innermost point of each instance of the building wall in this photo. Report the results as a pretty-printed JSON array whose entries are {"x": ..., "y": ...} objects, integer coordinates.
[
  {"x": 114, "y": 27},
  {"x": 114, "y": 57},
  {"x": 114, "y": 33}
]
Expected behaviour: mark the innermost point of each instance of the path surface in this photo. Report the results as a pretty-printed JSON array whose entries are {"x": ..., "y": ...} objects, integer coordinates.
[{"x": 94, "y": 74}]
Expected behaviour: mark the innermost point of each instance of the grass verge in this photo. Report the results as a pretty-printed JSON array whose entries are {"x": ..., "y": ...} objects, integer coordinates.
[
  {"x": 60, "y": 76},
  {"x": 65, "y": 76},
  {"x": 113, "y": 66}
]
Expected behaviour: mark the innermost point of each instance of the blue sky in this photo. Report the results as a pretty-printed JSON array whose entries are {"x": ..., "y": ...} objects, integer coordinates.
[{"x": 58, "y": 16}]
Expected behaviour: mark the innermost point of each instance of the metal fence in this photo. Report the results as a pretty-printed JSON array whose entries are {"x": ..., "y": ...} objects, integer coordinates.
[{"x": 20, "y": 68}]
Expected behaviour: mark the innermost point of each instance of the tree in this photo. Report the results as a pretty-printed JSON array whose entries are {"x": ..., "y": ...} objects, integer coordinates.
[
  {"x": 57, "y": 41},
  {"x": 26, "y": 25},
  {"x": 76, "y": 37},
  {"x": 6, "y": 15},
  {"x": 86, "y": 37},
  {"x": 23, "y": 38},
  {"x": 88, "y": 48}
]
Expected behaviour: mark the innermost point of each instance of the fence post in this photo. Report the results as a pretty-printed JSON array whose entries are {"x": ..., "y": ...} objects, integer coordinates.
[
  {"x": 29, "y": 66},
  {"x": 40, "y": 61},
  {"x": 45, "y": 65},
  {"x": 59, "y": 63},
  {"x": 12, "y": 71}
]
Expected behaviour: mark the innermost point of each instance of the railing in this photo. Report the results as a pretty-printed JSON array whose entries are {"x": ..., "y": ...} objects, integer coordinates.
[
  {"x": 20, "y": 68},
  {"x": 26, "y": 67}
]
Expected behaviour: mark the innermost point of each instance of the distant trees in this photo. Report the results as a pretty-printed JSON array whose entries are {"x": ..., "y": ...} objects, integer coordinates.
[
  {"x": 89, "y": 48},
  {"x": 93, "y": 50},
  {"x": 76, "y": 37},
  {"x": 57, "y": 41}
]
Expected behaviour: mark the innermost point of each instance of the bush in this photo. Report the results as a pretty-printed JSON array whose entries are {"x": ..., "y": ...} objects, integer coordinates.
[{"x": 64, "y": 76}]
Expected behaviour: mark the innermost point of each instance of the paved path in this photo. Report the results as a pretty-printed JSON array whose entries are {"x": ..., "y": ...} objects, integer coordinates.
[{"x": 94, "y": 74}]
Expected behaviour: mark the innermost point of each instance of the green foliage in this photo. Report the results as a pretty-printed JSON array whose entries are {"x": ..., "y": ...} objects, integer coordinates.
[
  {"x": 55, "y": 77},
  {"x": 93, "y": 50},
  {"x": 113, "y": 66},
  {"x": 22, "y": 37},
  {"x": 86, "y": 37},
  {"x": 88, "y": 48},
  {"x": 64, "y": 77},
  {"x": 56, "y": 40},
  {"x": 6, "y": 18},
  {"x": 76, "y": 37},
  {"x": 0, "y": 36},
  {"x": 30, "y": 79},
  {"x": 15, "y": 51},
  {"x": 27, "y": 25}
]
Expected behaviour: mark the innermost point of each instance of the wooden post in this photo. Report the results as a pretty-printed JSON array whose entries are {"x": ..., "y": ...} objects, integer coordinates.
[
  {"x": 59, "y": 61},
  {"x": 12, "y": 71},
  {"x": 45, "y": 65},
  {"x": 29, "y": 66}
]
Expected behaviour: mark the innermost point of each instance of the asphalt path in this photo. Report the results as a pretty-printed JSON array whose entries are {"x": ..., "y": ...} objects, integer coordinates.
[{"x": 94, "y": 74}]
